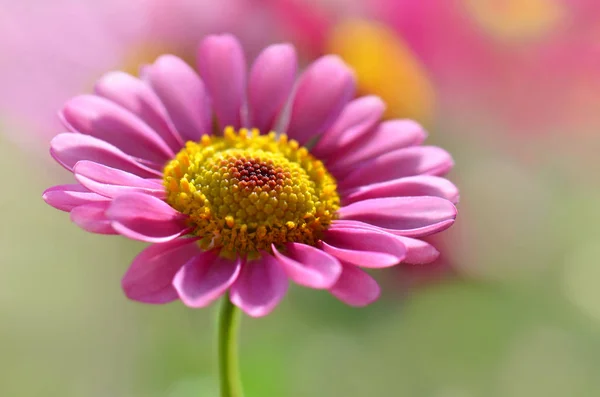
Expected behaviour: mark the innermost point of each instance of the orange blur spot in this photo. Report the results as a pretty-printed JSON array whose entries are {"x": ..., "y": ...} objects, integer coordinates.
[{"x": 386, "y": 67}]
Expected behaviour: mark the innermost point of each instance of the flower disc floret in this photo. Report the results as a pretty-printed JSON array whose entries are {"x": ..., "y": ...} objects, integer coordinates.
[{"x": 244, "y": 191}]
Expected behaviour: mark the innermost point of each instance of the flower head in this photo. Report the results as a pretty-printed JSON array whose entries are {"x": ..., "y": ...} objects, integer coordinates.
[{"x": 245, "y": 181}]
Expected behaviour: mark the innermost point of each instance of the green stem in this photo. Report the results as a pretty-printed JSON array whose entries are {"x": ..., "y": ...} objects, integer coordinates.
[{"x": 229, "y": 373}]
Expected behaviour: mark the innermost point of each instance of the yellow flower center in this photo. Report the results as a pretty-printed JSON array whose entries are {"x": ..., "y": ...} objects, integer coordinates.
[{"x": 244, "y": 191}]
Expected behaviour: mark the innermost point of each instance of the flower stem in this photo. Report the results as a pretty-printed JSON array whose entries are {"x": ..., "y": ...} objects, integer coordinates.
[{"x": 229, "y": 373}]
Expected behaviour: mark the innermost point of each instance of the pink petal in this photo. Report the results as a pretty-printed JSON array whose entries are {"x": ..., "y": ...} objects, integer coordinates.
[
  {"x": 183, "y": 94},
  {"x": 149, "y": 279},
  {"x": 387, "y": 137},
  {"x": 70, "y": 148},
  {"x": 146, "y": 218},
  {"x": 323, "y": 91},
  {"x": 309, "y": 266},
  {"x": 260, "y": 287},
  {"x": 92, "y": 218},
  {"x": 407, "y": 216},
  {"x": 271, "y": 82},
  {"x": 422, "y": 185},
  {"x": 67, "y": 197},
  {"x": 367, "y": 248},
  {"x": 418, "y": 160},
  {"x": 417, "y": 251},
  {"x": 103, "y": 119},
  {"x": 358, "y": 118},
  {"x": 111, "y": 182},
  {"x": 136, "y": 96},
  {"x": 350, "y": 224},
  {"x": 222, "y": 65},
  {"x": 355, "y": 287},
  {"x": 205, "y": 278}
]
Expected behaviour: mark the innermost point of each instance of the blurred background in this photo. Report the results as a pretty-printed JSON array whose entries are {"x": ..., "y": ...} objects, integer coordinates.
[{"x": 512, "y": 308}]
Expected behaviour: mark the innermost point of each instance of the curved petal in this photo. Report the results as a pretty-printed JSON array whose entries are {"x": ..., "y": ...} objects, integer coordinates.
[
  {"x": 70, "y": 148},
  {"x": 407, "y": 216},
  {"x": 358, "y": 118},
  {"x": 136, "y": 96},
  {"x": 323, "y": 91},
  {"x": 92, "y": 218},
  {"x": 183, "y": 94},
  {"x": 366, "y": 248},
  {"x": 149, "y": 279},
  {"x": 205, "y": 278},
  {"x": 355, "y": 287},
  {"x": 422, "y": 185},
  {"x": 261, "y": 285},
  {"x": 67, "y": 197},
  {"x": 103, "y": 119},
  {"x": 388, "y": 136},
  {"x": 418, "y": 160},
  {"x": 222, "y": 65},
  {"x": 111, "y": 182},
  {"x": 271, "y": 82},
  {"x": 309, "y": 266},
  {"x": 351, "y": 224},
  {"x": 418, "y": 252},
  {"x": 145, "y": 218}
]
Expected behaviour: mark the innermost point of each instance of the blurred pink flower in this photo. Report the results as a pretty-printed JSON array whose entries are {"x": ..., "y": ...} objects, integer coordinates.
[
  {"x": 529, "y": 65},
  {"x": 242, "y": 211},
  {"x": 52, "y": 50},
  {"x": 519, "y": 62}
]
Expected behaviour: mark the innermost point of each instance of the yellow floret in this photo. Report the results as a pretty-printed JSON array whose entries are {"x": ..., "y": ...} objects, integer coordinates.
[{"x": 244, "y": 191}]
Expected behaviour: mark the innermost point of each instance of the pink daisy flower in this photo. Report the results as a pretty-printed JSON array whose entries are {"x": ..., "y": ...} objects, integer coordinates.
[{"x": 244, "y": 181}]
